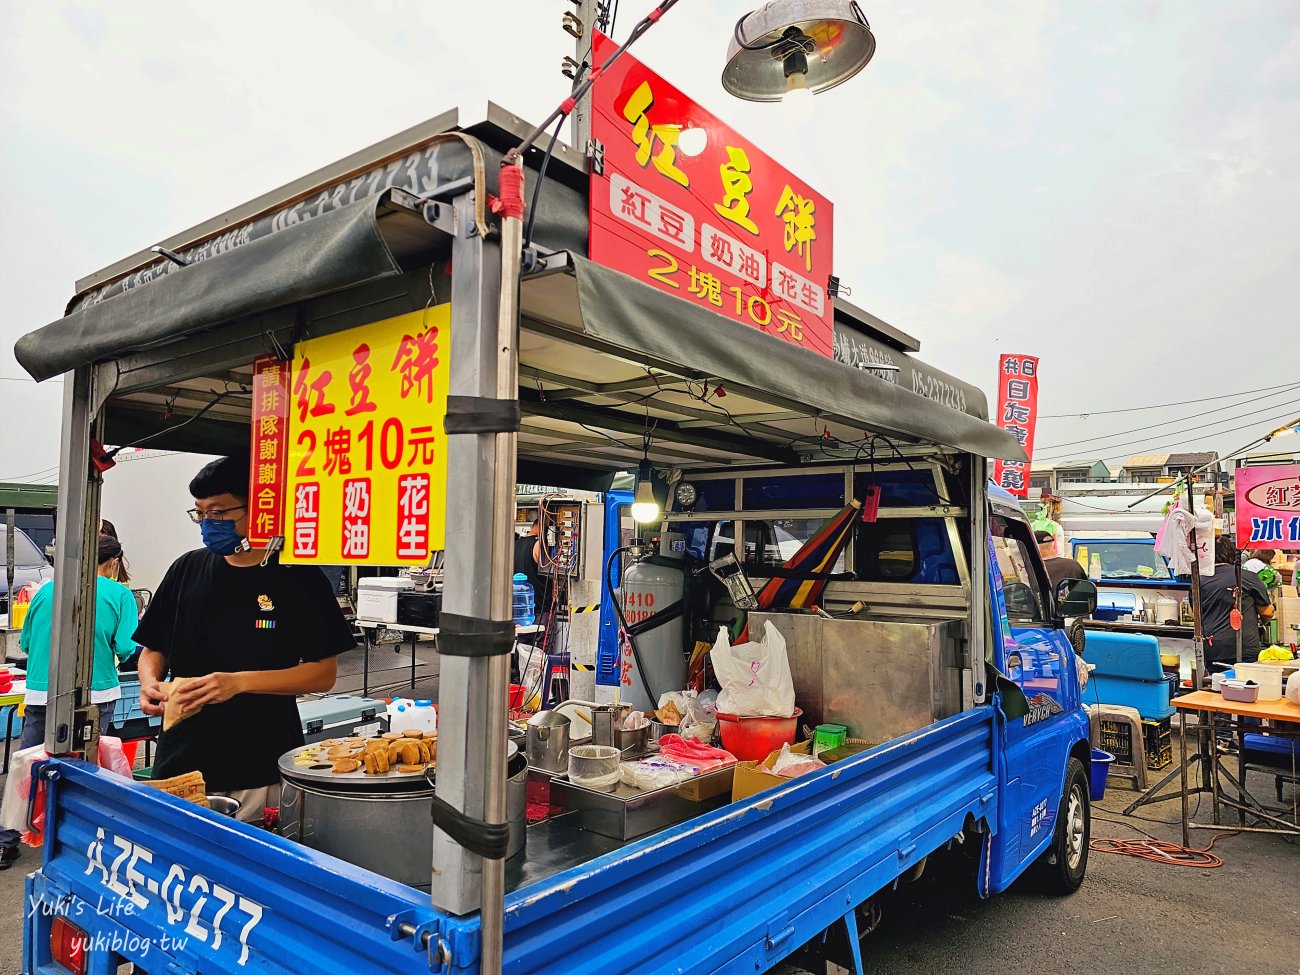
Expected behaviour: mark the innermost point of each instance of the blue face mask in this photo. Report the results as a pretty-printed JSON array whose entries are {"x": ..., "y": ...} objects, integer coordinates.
[{"x": 220, "y": 536}]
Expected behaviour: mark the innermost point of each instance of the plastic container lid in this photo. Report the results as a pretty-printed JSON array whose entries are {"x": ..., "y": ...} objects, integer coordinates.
[
  {"x": 424, "y": 704},
  {"x": 520, "y": 577}
]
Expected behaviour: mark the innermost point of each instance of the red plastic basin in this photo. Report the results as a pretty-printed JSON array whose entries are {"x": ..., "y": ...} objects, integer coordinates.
[{"x": 753, "y": 739}]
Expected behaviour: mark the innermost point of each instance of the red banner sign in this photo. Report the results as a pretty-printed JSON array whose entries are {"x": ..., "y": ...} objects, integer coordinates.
[
  {"x": 727, "y": 228},
  {"x": 1017, "y": 413},
  {"x": 1268, "y": 507},
  {"x": 270, "y": 452}
]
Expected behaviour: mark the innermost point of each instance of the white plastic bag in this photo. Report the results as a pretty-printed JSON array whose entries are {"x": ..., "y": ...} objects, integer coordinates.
[
  {"x": 698, "y": 721},
  {"x": 18, "y": 787},
  {"x": 1292, "y": 693},
  {"x": 791, "y": 765},
  {"x": 755, "y": 676}
]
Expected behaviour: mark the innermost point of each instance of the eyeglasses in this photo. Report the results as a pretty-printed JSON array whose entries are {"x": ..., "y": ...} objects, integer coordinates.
[{"x": 219, "y": 514}]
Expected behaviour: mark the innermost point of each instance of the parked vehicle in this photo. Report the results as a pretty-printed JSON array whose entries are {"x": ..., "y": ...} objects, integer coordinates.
[
  {"x": 964, "y": 688},
  {"x": 30, "y": 567}
]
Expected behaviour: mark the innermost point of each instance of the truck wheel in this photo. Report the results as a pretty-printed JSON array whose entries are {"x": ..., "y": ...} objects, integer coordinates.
[{"x": 1066, "y": 860}]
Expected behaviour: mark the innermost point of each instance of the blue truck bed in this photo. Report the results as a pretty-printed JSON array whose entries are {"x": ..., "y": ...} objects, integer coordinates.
[{"x": 176, "y": 889}]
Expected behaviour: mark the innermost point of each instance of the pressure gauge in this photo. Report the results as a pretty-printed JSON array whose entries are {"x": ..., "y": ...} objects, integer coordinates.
[{"x": 686, "y": 494}]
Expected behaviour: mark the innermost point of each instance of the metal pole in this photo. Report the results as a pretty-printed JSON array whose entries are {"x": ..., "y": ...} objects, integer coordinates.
[
  {"x": 72, "y": 643},
  {"x": 471, "y": 725},
  {"x": 503, "y": 536},
  {"x": 1198, "y": 633},
  {"x": 11, "y": 522},
  {"x": 580, "y": 121}
]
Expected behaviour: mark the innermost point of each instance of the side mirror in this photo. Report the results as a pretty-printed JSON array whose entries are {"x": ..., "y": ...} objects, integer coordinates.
[{"x": 1076, "y": 597}]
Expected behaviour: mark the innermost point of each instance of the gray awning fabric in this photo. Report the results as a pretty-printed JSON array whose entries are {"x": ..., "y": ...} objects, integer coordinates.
[
  {"x": 628, "y": 315},
  {"x": 337, "y": 250}
]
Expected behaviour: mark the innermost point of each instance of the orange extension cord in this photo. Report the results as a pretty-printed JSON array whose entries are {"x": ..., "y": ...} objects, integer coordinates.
[{"x": 1161, "y": 851}]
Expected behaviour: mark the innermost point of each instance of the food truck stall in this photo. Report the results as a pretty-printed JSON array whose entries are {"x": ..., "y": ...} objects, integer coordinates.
[{"x": 558, "y": 369}]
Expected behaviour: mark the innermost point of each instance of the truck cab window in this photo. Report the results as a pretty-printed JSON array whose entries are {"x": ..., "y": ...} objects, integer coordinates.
[{"x": 1027, "y": 602}]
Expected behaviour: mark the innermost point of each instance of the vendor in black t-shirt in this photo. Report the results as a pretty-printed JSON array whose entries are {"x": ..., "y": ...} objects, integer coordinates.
[
  {"x": 1219, "y": 596},
  {"x": 255, "y": 636}
]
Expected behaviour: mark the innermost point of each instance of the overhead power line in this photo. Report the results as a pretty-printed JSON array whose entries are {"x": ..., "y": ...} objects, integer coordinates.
[
  {"x": 1138, "y": 409},
  {"x": 1201, "y": 428},
  {"x": 1193, "y": 416},
  {"x": 1176, "y": 443}
]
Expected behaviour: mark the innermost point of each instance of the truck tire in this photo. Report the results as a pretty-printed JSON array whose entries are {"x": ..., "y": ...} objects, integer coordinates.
[{"x": 1065, "y": 862}]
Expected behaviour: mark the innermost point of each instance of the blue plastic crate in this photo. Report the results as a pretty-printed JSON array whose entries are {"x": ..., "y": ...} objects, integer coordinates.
[{"x": 128, "y": 707}]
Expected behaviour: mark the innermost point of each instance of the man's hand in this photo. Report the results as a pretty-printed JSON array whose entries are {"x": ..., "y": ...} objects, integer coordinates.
[
  {"x": 212, "y": 689},
  {"x": 152, "y": 697}
]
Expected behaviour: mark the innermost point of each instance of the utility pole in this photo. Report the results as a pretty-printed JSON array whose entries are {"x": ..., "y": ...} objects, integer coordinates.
[{"x": 589, "y": 15}]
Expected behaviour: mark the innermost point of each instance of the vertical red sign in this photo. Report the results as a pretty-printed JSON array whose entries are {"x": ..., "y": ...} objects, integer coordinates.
[
  {"x": 1017, "y": 413},
  {"x": 727, "y": 228},
  {"x": 270, "y": 451}
]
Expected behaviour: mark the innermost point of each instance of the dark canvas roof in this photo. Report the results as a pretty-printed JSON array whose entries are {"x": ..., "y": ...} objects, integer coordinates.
[{"x": 599, "y": 328}]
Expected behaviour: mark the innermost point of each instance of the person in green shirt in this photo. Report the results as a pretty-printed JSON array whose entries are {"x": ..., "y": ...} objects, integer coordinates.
[{"x": 116, "y": 617}]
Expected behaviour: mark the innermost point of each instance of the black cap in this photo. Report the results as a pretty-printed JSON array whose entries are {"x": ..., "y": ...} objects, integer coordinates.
[{"x": 1041, "y": 536}]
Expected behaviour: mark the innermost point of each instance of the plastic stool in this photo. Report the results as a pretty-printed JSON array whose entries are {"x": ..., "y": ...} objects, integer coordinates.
[{"x": 557, "y": 685}]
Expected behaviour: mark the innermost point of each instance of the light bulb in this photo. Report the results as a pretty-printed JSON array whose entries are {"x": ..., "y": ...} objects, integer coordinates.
[
  {"x": 644, "y": 512},
  {"x": 798, "y": 96},
  {"x": 692, "y": 141},
  {"x": 645, "y": 508}
]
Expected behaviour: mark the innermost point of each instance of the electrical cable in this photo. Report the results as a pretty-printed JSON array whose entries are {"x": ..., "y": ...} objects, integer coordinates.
[
  {"x": 33, "y": 475},
  {"x": 546, "y": 161},
  {"x": 1200, "y": 430},
  {"x": 622, "y": 622},
  {"x": 154, "y": 436},
  {"x": 1139, "y": 409},
  {"x": 1193, "y": 416},
  {"x": 1162, "y": 851}
]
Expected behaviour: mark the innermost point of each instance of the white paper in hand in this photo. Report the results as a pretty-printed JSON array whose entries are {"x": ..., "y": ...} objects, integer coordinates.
[{"x": 755, "y": 676}]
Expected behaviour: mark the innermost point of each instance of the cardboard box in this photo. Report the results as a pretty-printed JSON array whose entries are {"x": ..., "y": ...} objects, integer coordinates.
[
  {"x": 754, "y": 777},
  {"x": 1288, "y": 615}
]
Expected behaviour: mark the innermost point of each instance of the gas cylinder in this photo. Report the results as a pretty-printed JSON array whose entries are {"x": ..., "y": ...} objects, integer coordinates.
[{"x": 652, "y": 586}]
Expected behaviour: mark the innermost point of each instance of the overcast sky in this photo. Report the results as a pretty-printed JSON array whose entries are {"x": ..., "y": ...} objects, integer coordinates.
[{"x": 1108, "y": 185}]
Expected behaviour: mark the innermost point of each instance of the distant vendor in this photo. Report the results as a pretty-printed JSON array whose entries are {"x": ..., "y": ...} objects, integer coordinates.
[
  {"x": 1058, "y": 569},
  {"x": 253, "y": 635},
  {"x": 1220, "y": 594}
]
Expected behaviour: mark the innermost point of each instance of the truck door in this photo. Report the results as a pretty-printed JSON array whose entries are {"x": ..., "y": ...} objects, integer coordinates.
[{"x": 1035, "y": 654}]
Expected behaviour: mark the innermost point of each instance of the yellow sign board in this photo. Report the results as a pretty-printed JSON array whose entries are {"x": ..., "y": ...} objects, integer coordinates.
[{"x": 367, "y": 471}]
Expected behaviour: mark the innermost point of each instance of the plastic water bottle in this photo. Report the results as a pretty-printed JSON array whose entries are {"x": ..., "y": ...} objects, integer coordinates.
[{"x": 524, "y": 612}]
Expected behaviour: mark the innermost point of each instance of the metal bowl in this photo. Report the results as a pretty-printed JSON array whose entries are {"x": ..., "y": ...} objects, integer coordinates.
[{"x": 224, "y": 805}]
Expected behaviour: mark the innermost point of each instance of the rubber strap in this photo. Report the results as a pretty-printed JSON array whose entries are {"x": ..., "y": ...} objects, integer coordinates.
[
  {"x": 481, "y": 414},
  {"x": 664, "y": 615},
  {"x": 488, "y": 840},
  {"x": 468, "y": 636}
]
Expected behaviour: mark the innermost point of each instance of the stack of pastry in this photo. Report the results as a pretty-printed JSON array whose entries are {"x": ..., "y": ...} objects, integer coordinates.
[
  {"x": 189, "y": 786},
  {"x": 409, "y": 752}
]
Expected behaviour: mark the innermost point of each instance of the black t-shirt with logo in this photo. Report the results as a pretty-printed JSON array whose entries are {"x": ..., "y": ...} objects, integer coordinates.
[
  {"x": 1217, "y": 601},
  {"x": 210, "y": 616}
]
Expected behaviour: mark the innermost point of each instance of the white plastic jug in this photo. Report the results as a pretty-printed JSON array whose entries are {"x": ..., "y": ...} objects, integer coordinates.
[
  {"x": 423, "y": 717},
  {"x": 399, "y": 717}
]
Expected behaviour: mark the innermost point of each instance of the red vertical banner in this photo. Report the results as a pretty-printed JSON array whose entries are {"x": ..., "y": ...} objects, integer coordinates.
[
  {"x": 1017, "y": 413},
  {"x": 269, "y": 451}
]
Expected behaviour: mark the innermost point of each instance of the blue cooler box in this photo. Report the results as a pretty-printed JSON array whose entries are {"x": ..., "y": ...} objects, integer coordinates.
[{"x": 342, "y": 715}]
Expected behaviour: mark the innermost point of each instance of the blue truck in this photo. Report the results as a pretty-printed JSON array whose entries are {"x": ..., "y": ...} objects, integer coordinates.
[{"x": 941, "y": 621}]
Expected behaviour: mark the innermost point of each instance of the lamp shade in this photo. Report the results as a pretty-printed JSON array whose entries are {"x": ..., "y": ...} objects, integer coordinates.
[{"x": 832, "y": 34}]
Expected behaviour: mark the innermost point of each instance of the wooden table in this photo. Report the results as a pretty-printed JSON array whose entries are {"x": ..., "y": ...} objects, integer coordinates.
[{"x": 1286, "y": 719}]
